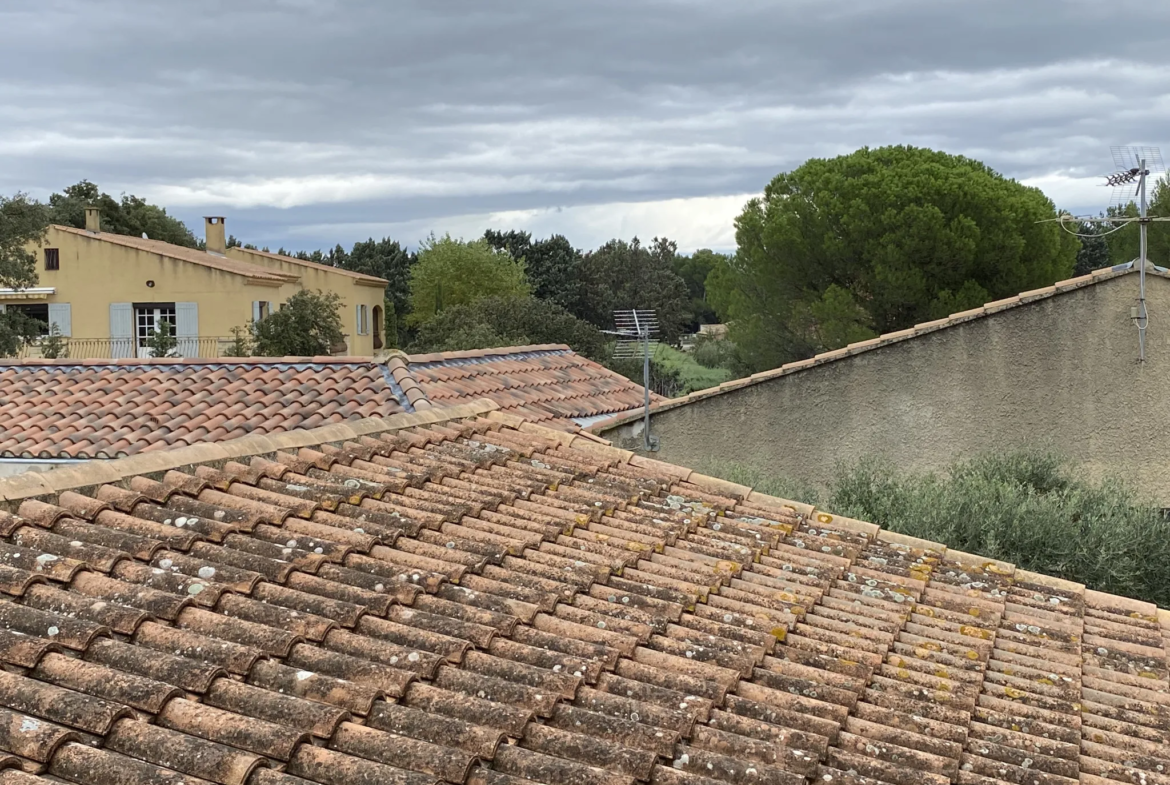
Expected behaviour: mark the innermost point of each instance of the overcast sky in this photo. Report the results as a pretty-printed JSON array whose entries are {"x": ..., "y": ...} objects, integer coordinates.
[{"x": 312, "y": 122}]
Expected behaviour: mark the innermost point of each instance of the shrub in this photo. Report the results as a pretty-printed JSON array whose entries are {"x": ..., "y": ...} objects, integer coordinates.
[
  {"x": 162, "y": 342},
  {"x": 309, "y": 325}
]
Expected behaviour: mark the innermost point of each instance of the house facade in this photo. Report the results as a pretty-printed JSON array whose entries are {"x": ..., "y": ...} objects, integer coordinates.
[
  {"x": 1053, "y": 370},
  {"x": 107, "y": 293}
]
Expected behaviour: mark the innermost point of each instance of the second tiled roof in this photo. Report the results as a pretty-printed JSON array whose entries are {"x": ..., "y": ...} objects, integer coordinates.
[{"x": 80, "y": 409}]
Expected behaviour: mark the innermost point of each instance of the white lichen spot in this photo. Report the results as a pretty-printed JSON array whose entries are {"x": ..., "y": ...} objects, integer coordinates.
[
  {"x": 206, "y": 573},
  {"x": 195, "y": 588},
  {"x": 302, "y": 675},
  {"x": 28, "y": 725},
  {"x": 54, "y": 631},
  {"x": 165, "y": 564}
]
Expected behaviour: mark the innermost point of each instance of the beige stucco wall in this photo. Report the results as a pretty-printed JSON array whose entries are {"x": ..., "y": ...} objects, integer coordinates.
[
  {"x": 1058, "y": 374},
  {"x": 94, "y": 273},
  {"x": 352, "y": 291}
]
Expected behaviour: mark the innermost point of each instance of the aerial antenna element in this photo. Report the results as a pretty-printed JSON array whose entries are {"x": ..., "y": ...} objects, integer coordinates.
[
  {"x": 1133, "y": 166},
  {"x": 637, "y": 331}
]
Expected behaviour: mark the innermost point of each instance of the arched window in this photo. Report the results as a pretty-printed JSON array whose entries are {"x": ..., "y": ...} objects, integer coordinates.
[{"x": 378, "y": 320}]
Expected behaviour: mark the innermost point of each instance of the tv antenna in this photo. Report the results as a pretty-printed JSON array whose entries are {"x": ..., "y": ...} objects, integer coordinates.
[
  {"x": 637, "y": 331},
  {"x": 1133, "y": 166}
]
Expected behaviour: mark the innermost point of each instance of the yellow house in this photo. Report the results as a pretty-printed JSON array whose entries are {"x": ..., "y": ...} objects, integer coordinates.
[{"x": 108, "y": 293}]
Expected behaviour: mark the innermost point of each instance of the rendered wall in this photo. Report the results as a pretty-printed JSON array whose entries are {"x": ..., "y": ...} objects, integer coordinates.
[
  {"x": 1058, "y": 373},
  {"x": 314, "y": 277},
  {"x": 94, "y": 274}
]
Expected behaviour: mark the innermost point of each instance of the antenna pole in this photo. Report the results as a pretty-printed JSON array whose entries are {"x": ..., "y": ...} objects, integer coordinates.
[
  {"x": 1142, "y": 225},
  {"x": 644, "y": 334}
]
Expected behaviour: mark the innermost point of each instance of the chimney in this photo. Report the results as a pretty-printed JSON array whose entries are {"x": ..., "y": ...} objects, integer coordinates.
[
  {"x": 216, "y": 240},
  {"x": 93, "y": 219}
]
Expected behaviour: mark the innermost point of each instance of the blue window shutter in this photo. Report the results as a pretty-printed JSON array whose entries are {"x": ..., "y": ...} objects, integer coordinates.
[
  {"x": 61, "y": 314},
  {"x": 122, "y": 331},
  {"x": 187, "y": 329}
]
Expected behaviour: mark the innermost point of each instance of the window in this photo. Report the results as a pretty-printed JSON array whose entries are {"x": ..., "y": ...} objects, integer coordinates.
[
  {"x": 148, "y": 318},
  {"x": 52, "y": 259},
  {"x": 363, "y": 320},
  {"x": 36, "y": 312}
]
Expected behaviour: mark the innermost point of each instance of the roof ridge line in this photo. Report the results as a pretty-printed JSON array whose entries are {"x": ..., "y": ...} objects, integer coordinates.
[
  {"x": 897, "y": 336},
  {"x": 101, "y": 472},
  {"x": 473, "y": 354}
]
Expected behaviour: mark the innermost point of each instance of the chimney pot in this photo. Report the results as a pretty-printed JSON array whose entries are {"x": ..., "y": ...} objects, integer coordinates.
[
  {"x": 216, "y": 240},
  {"x": 93, "y": 219}
]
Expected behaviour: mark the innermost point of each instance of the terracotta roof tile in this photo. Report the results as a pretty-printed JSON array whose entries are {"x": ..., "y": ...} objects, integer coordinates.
[
  {"x": 122, "y": 408},
  {"x": 547, "y": 384},
  {"x": 111, "y": 409},
  {"x": 489, "y": 604},
  {"x": 193, "y": 255}
]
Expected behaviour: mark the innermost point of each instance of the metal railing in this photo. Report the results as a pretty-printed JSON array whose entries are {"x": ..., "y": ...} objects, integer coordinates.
[{"x": 122, "y": 348}]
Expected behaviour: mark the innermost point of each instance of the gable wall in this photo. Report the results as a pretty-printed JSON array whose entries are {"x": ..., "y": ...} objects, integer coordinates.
[
  {"x": 1059, "y": 374},
  {"x": 94, "y": 274}
]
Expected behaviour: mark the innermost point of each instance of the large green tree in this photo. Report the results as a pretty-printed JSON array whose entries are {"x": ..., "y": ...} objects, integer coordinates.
[
  {"x": 622, "y": 276},
  {"x": 495, "y": 321},
  {"x": 1125, "y": 243},
  {"x": 308, "y": 325},
  {"x": 553, "y": 265},
  {"x": 129, "y": 216},
  {"x": 453, "y": 272},
  {"x": 841, "y": 249},
  {"x": 694, "y": 270},
  {"x": 23, "y": 221},
  {"x": 387, "y": 259}
]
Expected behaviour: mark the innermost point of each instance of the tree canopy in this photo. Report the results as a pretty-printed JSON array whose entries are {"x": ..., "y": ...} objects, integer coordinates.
[
  {"x": 383, "y": 258},
  {"x": 490, "y": 322},
  {"x": 694, "y": 270},
  {"x": 841, "y": 249},
  {"x": 552, "y": 265},
  {"x": 22, "y": 221},
  {"x": 129, "y": 216},
  {"x": 309, "y": 325},
  {"x": 621, "y": 276},
  {"x": 1125, "y": 244},
  {"x": 453, "y": 272}
]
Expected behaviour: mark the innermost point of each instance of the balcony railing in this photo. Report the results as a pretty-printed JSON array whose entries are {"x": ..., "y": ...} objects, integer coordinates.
[{"x": 122, "y": 348}]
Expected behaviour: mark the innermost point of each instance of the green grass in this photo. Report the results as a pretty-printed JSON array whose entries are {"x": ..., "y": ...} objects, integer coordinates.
[
  {"x": 692, "y": 375},
  {"x": 1034, "y": 511}
]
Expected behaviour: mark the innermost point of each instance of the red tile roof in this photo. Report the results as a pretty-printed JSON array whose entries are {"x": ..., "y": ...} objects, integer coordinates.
[
  {"x": 549, "y": 384},
  {"x": 451, "y": 597},
  {"x": 182, "y": 253},
  {"x": 54, "y": 409},
  {"x": 107, "y": 409},
  {"x": 362, "y": 278}
]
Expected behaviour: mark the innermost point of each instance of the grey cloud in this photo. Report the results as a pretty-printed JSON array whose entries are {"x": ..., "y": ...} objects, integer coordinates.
[{"x": 293, "y": 113}]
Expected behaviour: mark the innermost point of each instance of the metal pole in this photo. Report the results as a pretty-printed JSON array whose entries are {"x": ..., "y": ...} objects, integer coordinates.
[{"x": 1142, "y": 273}]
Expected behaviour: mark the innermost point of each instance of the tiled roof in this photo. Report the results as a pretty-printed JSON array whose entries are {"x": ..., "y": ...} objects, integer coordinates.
[
  {"x": 182, "y": 253},
  {"x": 548, "y": 384},
  {"x": 886, "y": 339},
  {"x": 53, "y": 409},
  {"x": 451, "y": 597},
  {"x": 107, "y": 409},
  {"x": 370, "y": 280}
]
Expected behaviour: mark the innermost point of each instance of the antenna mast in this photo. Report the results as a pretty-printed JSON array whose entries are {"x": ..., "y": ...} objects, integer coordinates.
[
  {"x": 637, "y": 329},
  {"x": 1134, "y": 166}
]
